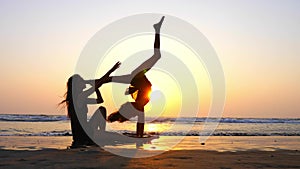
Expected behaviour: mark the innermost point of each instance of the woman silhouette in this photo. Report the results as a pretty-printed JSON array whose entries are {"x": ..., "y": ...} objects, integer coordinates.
[
  {"x": 77, "y": 99},
  {"x": 140, "y": 88}
]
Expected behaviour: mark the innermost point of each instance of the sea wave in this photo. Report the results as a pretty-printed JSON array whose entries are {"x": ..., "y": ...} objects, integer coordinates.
[
  {"x": 45, "y": 133},
  {"x": 31, "y": 118},
  {"x": 225, "y": 120},
  {"x": 49, "y": 118}
]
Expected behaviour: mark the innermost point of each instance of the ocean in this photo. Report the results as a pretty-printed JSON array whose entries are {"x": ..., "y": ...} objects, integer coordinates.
[{"x": 59, "y": 125}]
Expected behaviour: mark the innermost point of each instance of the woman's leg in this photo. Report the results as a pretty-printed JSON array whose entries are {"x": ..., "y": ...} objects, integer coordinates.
[
  {"x": 157, "y": 27},
  {"x": 148, "y": 64},
  {"x": 98, "y": 119}
]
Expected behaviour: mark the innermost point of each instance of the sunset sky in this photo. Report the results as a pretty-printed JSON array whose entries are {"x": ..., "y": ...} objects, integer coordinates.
[{"x": 257, "y": 42}]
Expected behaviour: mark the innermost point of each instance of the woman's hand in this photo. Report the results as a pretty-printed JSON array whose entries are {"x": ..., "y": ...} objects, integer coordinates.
[{"x": 104, "y": 79}]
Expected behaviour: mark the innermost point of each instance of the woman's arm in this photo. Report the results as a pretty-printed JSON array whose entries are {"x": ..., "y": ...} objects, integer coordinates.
[
  {"x": 105, "y": 78},
  {"x": 95, "y": 85},
  {"x": 85, "y": 94},
  {"x": 98, "y": 100}
]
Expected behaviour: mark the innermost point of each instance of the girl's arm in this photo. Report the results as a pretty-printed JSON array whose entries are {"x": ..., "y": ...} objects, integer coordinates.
[
  {"x": 95, "y": 85},
  {"x": 105, "y": 78},
  {"x": 98, "y": 100}
]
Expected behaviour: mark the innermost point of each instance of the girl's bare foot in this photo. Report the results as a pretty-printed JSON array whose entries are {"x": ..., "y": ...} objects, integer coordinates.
[{"x": 158, "y": 25}]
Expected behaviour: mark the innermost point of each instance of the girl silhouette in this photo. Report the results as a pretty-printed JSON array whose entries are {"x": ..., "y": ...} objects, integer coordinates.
[
  {"x": 77, "y": 99},
  {"x": 139, "y": 89}
]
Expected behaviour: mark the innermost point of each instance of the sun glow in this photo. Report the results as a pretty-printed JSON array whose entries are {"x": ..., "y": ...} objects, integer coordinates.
[
  {"x": 156, "y": 127},
  {"x": 149, "y": 93},
  {"x": 166, "y": 96},
  {"x": 152, "y": 128}
]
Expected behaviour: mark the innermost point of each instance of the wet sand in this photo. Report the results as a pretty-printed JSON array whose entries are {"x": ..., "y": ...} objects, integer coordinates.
[{"x": 218, "y": 152}]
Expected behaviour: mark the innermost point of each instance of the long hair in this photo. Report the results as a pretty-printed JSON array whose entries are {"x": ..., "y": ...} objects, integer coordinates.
[{"x": 69, "y": 94}]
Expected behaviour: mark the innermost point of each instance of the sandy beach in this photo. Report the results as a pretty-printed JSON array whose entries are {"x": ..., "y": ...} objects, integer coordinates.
[{"x": 218, "y": 152}]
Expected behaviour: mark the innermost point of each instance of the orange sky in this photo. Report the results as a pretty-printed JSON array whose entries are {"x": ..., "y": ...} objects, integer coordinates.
[{"x": 257, "y": 44}]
